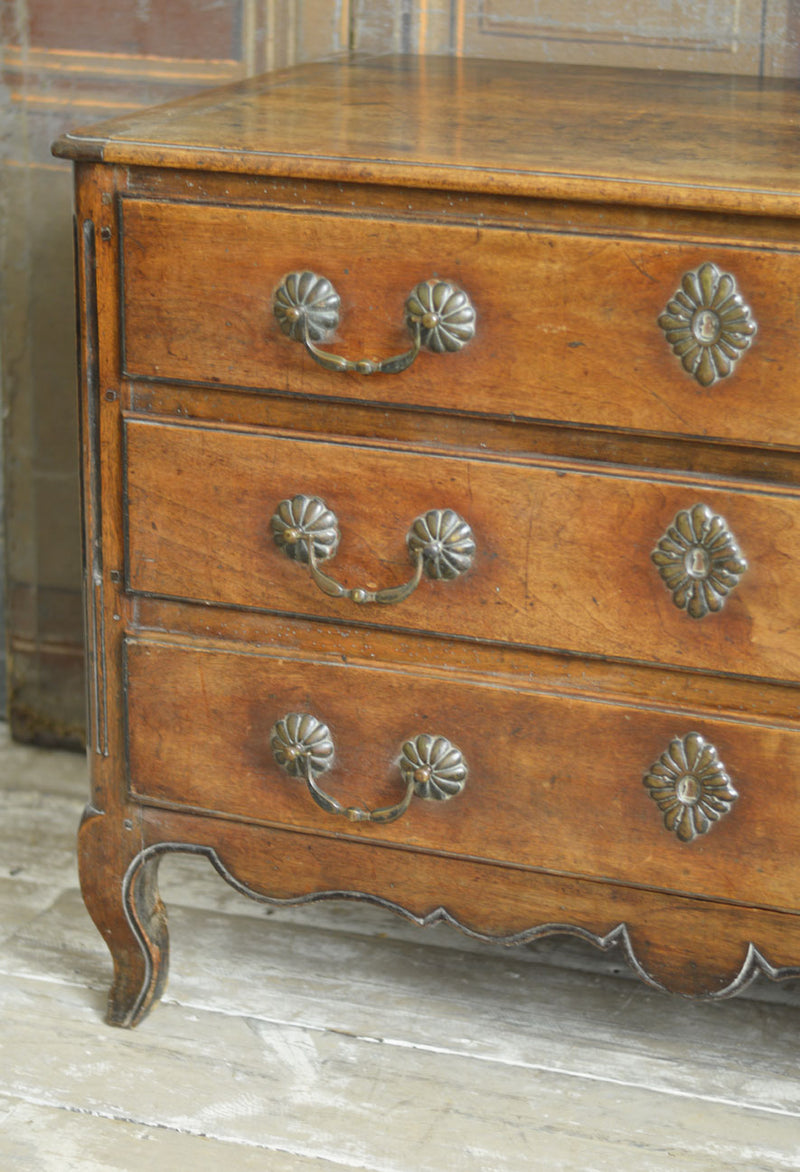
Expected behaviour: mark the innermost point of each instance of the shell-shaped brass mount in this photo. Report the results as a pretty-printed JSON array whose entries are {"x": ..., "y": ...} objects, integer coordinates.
[
  {"x": 441, "y": 545},
  {"x": 431, "y": 766},
  {"x": 438, "y": 315}
]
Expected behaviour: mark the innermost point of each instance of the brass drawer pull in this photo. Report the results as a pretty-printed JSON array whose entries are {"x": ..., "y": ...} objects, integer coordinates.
[
  {"x": 439, "y": 316},
  {"x": 440, "y": 545},
  {"x": 431, "y": 766}
]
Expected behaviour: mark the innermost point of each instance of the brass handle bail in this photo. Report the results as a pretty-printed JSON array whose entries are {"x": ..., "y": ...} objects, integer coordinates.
[
  {"x": 440, "y": 545},
  {"x": 431, "y": 766},
  {"x": 439, "y": 316}
]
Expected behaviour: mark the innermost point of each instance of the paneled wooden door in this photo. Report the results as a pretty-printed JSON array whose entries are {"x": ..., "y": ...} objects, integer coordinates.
[{"x": 717, "y": 36}]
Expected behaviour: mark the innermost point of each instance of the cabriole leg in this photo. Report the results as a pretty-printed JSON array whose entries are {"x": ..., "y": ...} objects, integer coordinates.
[{"x": 120, "y": 888}]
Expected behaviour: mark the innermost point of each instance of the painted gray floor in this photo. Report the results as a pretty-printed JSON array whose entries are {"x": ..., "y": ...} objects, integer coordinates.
[{"x": 339, "y": 1037}]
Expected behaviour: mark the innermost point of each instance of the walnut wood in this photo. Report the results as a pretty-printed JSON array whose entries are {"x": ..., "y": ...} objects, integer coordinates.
[
  {"x": 692, "y": 693},
  {"x": 563, "y": 554},
  {"x": 128, "y": 913},
  {"x": 559, "y": 664},
  {"x": 473, "y": 435},
  {"x": 534, "y": 761},
  {"x": 670, "y": 936},
  {"x": 361, "y": 198},
  {"x": 556, "y": 339},
  {"x": 689, "y": 140}
]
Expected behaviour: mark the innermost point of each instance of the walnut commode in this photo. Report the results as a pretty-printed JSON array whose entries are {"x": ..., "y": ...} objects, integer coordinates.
[{"x": 442, "y": 526}]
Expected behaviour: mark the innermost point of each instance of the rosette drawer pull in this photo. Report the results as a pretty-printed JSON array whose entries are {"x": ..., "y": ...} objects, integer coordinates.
[
  {"x": 438, "y": 315},
  {"x": 431, "y": 767},
  {"x": 440, "y": 545}
]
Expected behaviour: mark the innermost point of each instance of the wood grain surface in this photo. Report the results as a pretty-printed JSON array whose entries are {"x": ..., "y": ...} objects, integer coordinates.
[
  {"x": 563, "y": 554},
  {"x": 535, "y": 130},
  {"x": 554, "y": 783},
  {"x": 567, "y": 324},
  {"x": 559, "y": 664}
]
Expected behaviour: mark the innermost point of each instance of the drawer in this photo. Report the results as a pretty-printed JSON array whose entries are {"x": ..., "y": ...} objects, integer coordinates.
[
  {"x": 564, "y": 552},
  {"x": 567, "y": 324},
  {"x": 554, "y": 782}
]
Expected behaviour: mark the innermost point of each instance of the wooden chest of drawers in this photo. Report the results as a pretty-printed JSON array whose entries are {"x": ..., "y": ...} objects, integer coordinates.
[{"x": 441, "y": 430}]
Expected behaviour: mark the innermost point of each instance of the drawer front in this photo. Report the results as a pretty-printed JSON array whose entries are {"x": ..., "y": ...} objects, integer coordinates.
[
  {"x": 564, "y": 556},
  {"x": 567, "y": 325},
  {"x": 553, "y": 782}
]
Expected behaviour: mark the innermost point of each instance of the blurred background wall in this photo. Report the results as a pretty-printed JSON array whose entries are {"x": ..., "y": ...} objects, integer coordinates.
[{"x": 71, "y": 62}]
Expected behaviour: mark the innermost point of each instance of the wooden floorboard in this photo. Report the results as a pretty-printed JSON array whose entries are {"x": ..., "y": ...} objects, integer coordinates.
[
  {"x": 50, "y": 1139},
  {"x": 342, "y": 1037}
]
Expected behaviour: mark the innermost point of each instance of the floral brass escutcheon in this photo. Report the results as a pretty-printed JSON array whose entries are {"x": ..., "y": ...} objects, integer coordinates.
[
  {"x": 699, "y": 560},
  {"x": 707, "y": 324},
  {"x": 690, "y": 785}
]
